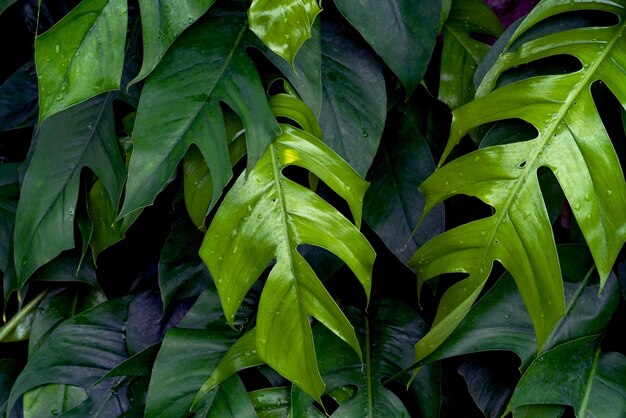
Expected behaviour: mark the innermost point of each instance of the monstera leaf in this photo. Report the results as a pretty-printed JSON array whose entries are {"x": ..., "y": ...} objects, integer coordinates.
[
  {"x": 462, "y": 53},
  {"x": 265, "y": 217},
  {"x": 283, "y": 25},
  {"x": 82, "y": 55},
  {"x": 180, "y": 106},
  {"x": 571, "y": 141}
]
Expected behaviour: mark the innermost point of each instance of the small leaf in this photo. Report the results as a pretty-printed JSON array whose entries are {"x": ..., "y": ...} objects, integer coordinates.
[
  {"x": 283, "y": 25},
  {"x": 81, "y": 56},
  {"x": 461, "y": 52},
  {"x": 185, "y": 110},
  {"x": 161, "y": 23},
  {"x": 18, "y": 98},
  {"x": 402, "y": 32},
  {"x": 46, "y": 210},
  {"x": 354, "y": 101}
]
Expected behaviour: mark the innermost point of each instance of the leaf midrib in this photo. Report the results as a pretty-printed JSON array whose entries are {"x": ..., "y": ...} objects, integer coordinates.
[{"x": 531, "y": 165}]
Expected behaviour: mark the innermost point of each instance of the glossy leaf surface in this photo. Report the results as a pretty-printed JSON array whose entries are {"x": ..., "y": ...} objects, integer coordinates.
[
  {"x": 461, "y": 52},
  {"x": 571, "y": 141},
  {"x": 499, "y": 320},
  {"x": 181, "y": 102},
  {"x": 79, "y": 351},
  {"x": 46, "y": 210},
  {"x": 161, "y": 23},
  {"x": 264, "y": 217},
  {"x": 283, "y": 25},
  {"x": 354, "y": 100},
  {"x": 402, "y": 32},
  {"x": 576, "y": 374},
  {"x": 81, "y": 56},
  {"x": 386, "y": 336}
]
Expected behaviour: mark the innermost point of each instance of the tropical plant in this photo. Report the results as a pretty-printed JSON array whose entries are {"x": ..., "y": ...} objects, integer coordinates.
[{"x": 287, "y": 208}]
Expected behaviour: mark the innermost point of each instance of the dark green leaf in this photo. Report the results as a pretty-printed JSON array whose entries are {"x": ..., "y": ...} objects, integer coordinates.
[
  {"x": 181, "y": 103},
  {"x": 82, "y": 136},
  {"x": 231, "y": 401},
  {"x": 539, "y": 411},
  {"x": 161, "y": 23},
  {"x": 67, "y": 268},
  {"x": 393, "y": 204},
  {"x": 577, "y": 374},
  {"x": 354, "y": 99},
  {"x": 499, "y": 320},
  {"x": 402, "y": 32},
  {"x": 9, "y": 369},
  {"x": 81, "y": 56},
  {"x": 103, "y": 213},
  {"x": 9, "y": 192},
  {"x": 18, "y": 98},
  {"x": 387, "y": 336},
  {"x": 182, "y": 273},
  {"x": 79, "y": 351},
  {"x": 4, "y": 4}
]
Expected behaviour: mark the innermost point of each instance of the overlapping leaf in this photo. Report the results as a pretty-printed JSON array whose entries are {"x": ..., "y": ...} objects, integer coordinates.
[
  {"x": 571, "y": 141},
  {"x": 283, "y": 25},
  {"x": 264, "y": 217},
  {"x": 180, "y": 106},
  {"x": 402, "y": 32},
  {"x": 161, "y": 23},
  {"x": 18, "y": 98},
  {"x": 82, "y": 55},
  {"x": 47, "y": 205},
  {"x": 461, "y": 52}
]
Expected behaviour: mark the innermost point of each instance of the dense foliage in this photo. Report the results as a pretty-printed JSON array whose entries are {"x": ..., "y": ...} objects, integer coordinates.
[{"x": 286, "y": 208}]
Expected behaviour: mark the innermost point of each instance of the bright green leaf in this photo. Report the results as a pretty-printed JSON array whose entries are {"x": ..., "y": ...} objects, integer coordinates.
[
  {"x": 161, "y": 23},
  {"x": 266, "y": 216},
  {"x": 18, "y": 327},
  {"x": 571, "y": 141},
  {"x": 181, "y": 103},
  {"x": 52, "y": 400},
  {"x": 402, "y": 32},
  {"x": 354, "y": 100},
  {"x": 283, "y": 25},
  {"x": 81, "y": 56},
  {"x": 461, "y": 52}
]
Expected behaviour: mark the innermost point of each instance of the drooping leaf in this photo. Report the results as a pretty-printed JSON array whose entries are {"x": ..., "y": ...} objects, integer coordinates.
[
  {"x": 387, "y": 337},
  {"x": 188, "y": 356},
  {"x": 461, "y": 52},
  {"x": 18, "y": 98},
  {"x": 102, "y": 214},
  {"x": 306, "y": 74},
  {"x": 402, "y": 32},
  {"x": 67, "y": 268},
  {"x": 45, "y": 213},
  {"x": 181, "y": 103},
  {"x": 265, "y": 216},
  {"x": 571, "y": 141},
  {"x": 198, "y": 181},
  {"x": 354, "y": 99},
  {"x": 182, "y": 273},
  {"x": 78, "y": 351},
  {"x": 81, "y": 56},
  {"x": 161, "y": 23},
  {"x": 393, "y": 204},
  {"x": 283, "y": 25},
  {"x": 499, "y": 320},
  {"x": 578, "y": 374}
]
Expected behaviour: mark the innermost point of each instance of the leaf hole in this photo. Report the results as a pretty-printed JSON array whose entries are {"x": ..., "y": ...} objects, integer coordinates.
[
  {"x": 522, "y": 164},
  {"x": 507, "y": 131},
  {"x": 558, "y": 64}
]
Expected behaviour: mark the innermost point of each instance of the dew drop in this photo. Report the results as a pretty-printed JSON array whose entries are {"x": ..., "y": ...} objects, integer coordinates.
[
  {"x": 447, "y": 183},
  {"x": 483, "y": 233},
  {"x": 57, "y": 49},
  {"x": 365, "y": 134},
  {"x": 234, "y": 233},
  {"x": 476, "y": 158},
  {"x": 235, "y": 249},
  {"x": 609, "y": 192},
  {"x": 461, "y": 241},
  {"x": 460, "y": 174},
  {"x": 249, "y": 208},
  {"x": 507, "y": 316},
  {"x": 259, "y": 216}
]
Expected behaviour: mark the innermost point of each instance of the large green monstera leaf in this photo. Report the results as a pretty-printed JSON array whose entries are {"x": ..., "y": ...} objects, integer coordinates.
[
  {"x": 265, "y": 217},
  {"x": 572, "y": 142}
]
